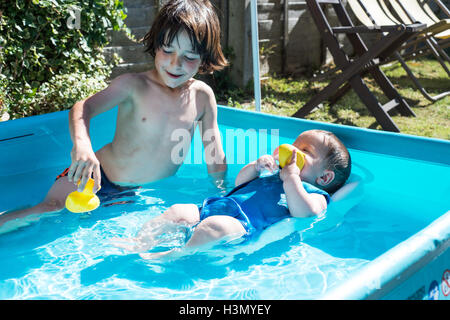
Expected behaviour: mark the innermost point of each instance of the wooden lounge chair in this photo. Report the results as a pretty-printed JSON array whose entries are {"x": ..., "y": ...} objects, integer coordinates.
[
  {"x": 438, "y": 30},
  {"x": 365, "y": 62},
  {"x": 413, "y": 48},
  {"x": 375, "y": 12}
]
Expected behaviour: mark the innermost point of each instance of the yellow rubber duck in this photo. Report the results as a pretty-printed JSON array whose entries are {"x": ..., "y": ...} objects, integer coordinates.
[
  {"x": 285, "y": 155},
  {"x": 84, "y": 201}
]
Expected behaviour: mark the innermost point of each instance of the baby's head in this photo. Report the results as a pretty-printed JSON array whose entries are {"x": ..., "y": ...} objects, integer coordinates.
[
  {"x": 327, "y": 160},
  {"x": 191, "y": 20}
]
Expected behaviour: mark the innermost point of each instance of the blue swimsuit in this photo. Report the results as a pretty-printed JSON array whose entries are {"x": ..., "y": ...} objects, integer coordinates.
[{"x": 257, "y": 204}]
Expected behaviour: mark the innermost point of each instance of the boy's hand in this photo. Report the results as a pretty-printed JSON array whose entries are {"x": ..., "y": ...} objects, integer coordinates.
[
  {"x": 266, "y": 162},
  {"x": 84, "y": 164},
  {"x": 290, "y": 169}
]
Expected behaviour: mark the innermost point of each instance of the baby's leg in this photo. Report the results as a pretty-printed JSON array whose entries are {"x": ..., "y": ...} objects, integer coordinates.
[
  {"x": 147, "y": 237},
  {"x": 182, "y": 213},
  {"x": 208, "y": 232},
  {"x": 53, "y": 202},
  {"x": 215, "y": 228},
  {"x": 185, "y": 214}
]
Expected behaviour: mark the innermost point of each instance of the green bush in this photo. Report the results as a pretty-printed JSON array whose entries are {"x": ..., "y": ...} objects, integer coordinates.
[{"x": 48, "y": 62}]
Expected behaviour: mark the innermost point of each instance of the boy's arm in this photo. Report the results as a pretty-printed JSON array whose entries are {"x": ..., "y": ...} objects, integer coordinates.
[
  {"x": 209, "y": 131},
  {"x": 300, "y": 203},
  {"x": 84, "y": 161}
]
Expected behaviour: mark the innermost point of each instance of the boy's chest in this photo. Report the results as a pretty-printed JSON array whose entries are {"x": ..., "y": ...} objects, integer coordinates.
[{"x": 167, "y": 113}]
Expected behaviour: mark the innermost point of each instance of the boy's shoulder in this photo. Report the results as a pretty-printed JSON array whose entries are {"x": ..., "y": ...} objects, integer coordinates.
[
  {"x": 125, "y": 77},
  {"x": 204, "y": 92},
  {"x": 202, "y": 87},
  {"x": 131, "y": 81},
  {"x": 205, "y": 98}
]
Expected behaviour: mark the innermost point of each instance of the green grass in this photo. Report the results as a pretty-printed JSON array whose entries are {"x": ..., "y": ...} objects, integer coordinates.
[{"x": 285, "y": 95}]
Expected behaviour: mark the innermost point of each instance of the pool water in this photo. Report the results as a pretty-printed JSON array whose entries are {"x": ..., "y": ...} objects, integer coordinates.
[{"x": 70, "y": 256}]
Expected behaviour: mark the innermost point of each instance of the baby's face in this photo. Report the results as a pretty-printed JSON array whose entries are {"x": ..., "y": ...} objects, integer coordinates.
[
  {"x": 315, "y": 150},
  {"x": 177, "y": 62}
]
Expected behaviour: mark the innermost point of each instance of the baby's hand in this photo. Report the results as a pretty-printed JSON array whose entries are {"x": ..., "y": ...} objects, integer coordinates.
[
  {"x": 291, "y": 168},
  {"x": 276, "y": 154},
  {"x": 266, "y": 162}
]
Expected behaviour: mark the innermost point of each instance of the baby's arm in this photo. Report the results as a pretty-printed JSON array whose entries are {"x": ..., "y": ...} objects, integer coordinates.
[
  {"x": 247, "y": 173},
  {"x": 253, "y": 169},
  {"x": 84, "y": 161},
  {"x": 300, "y": 203}
]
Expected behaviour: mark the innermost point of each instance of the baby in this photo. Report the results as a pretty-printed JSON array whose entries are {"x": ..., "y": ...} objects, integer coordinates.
[{"x": 257, "y": 202}]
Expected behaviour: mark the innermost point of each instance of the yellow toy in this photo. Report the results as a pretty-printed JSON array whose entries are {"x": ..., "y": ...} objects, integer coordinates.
[
  {"x": 83, "y": 201},
  {"x": 285, "y": 155}
]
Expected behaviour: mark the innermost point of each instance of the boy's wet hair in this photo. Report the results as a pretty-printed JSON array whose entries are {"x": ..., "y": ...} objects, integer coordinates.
[
  {"x": 199, "y": 20},
  {"x": 337, "y": 159}
]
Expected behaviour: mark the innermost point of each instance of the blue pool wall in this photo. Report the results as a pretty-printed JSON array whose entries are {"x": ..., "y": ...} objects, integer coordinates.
[
  {"x": 55, "y": 126},
  {"x": 400, "y": 273},
  {"x": 407, "y": 271}
]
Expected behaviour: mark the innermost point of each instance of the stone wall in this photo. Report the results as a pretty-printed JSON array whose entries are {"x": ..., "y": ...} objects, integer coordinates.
[
  {"x": 302, "y": 48},
  {"x": 140, "y": 14}
]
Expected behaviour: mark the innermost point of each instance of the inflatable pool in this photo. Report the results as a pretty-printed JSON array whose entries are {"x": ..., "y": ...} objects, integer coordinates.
[{"x": 385, "y": 237}]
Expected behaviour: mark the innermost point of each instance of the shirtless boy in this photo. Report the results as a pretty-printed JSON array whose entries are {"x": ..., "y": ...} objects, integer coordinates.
[{"x": 184, "y": 40}]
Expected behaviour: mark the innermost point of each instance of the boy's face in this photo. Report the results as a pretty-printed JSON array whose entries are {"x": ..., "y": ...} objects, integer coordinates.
[
  {"x": 315, "y": 150},
  {"x": 177, "y": 62}
]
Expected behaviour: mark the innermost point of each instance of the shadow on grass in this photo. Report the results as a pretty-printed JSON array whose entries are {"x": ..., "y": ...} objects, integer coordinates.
[
  {"x": 350, "y": 101},
  {"x": 432, "y": 85},
  {"x": 290, "y": 93}
]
